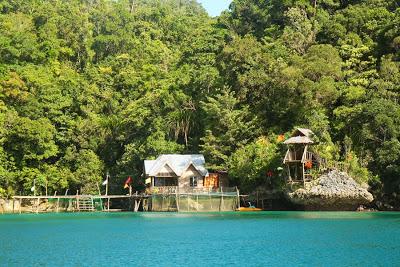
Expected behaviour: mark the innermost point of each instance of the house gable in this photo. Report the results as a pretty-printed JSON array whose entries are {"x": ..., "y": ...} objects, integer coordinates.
[
  {"x": 191, "y": 171},
  {"x": 166, "y": 171}
]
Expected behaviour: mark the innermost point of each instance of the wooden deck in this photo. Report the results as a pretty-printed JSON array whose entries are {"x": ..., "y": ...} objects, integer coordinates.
[{"x": 82, "y": 202}]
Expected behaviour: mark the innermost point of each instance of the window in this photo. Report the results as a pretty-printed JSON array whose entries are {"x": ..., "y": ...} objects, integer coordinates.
[
  {"x": 193, "y": 181},
  {"x": 171, "y": 181},
  {"x": 165, "y": 181}
]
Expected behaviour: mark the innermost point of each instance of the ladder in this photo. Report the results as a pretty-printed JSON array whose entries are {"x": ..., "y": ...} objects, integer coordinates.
[{"x": 85, "y": 204}]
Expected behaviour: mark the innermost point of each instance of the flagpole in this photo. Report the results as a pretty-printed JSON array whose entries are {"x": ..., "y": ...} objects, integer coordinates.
[
  {"x": 108, "y": 175},
  {"x": 108, "y": 200}
]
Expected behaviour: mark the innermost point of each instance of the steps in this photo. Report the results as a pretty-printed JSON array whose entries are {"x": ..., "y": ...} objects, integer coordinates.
[{"x": 85, "y": 204}]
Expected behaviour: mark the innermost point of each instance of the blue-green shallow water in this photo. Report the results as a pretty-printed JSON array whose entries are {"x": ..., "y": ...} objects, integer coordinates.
[{"x": 172, "y": 239}]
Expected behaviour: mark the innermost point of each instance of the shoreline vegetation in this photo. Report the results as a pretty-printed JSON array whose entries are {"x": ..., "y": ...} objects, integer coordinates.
[{"x": 89, "y": 88}]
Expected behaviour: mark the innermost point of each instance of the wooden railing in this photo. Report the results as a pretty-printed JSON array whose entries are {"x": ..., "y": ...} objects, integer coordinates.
[
  {"x": 307, "y": 156},
  {"x": 190, "y": 190},
  {"x": 164, "y": 190},
  {"x": 291, "y": 156}
]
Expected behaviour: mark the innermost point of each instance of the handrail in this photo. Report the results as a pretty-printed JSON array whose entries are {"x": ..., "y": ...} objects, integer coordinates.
[{"x": 194, "y": 190}]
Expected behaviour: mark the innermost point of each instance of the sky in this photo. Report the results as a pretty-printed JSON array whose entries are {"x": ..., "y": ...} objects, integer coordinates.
[{"x": 215, "y": 7}]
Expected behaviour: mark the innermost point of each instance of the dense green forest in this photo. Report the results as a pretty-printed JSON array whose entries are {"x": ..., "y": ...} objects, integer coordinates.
[{"x": 92, "y": 86}]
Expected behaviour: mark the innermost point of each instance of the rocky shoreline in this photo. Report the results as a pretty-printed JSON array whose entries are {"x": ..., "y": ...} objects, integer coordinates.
[{"x": 332, "y": 191}]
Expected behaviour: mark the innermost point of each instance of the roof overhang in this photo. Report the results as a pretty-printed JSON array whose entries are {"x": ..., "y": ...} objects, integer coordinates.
[{"x": 298, "y": 140}]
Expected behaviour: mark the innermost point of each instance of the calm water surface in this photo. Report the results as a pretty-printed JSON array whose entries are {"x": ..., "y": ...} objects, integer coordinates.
[{"x": 171, "y": 239}]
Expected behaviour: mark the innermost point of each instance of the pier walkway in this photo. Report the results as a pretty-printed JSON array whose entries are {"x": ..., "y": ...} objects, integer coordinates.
[{"x": 76, "y": 203}]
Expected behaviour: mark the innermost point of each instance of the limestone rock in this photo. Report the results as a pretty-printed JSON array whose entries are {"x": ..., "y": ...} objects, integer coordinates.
[{"x": 332, "y": 191}]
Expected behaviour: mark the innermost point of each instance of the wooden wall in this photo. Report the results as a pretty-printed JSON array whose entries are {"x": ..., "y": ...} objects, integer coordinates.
[{"x": 184, "y": 180}]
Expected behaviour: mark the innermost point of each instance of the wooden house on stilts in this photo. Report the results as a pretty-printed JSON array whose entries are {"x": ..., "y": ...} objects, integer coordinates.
[
  {"x": 177, "y": 182},
  {"x": 300, "y": 160}
]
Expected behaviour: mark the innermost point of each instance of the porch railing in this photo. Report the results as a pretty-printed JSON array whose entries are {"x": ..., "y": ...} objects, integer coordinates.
[{"x": 194, "y": 190}]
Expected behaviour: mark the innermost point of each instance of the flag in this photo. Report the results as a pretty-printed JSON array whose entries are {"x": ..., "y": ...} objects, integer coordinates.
[
  {"x": 127, "y": 182},
  {"x": 105, "y": 182}
]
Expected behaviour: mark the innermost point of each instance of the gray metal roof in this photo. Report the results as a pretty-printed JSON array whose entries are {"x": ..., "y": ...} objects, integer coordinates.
[
  {"x": 148, "y": 164},
  {"x": 178, "y": 163}
]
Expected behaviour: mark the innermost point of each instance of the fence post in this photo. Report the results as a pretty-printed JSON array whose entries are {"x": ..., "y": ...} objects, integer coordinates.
[
  {"x": 238, "y": 197},
  {"x": 177, "y": 198},
  {"x": 221, "y": 202}
]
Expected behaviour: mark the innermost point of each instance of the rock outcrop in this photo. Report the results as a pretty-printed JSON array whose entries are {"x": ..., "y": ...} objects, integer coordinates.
[{"x": 332, "y": 191}]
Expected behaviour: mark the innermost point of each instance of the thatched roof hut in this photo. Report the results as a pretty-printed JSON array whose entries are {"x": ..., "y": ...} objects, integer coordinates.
[{"x": 300, "y": 136}]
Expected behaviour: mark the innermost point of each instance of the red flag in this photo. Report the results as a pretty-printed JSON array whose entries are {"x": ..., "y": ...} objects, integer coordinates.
[{"x": 127, "y": 182}]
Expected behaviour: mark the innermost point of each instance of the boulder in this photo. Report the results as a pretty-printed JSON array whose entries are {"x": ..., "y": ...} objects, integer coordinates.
[{"x": 332, "y": 191}]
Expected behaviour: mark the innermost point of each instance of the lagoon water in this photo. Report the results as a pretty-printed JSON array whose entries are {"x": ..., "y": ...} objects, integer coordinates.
[{"x": 181, "y": 239}]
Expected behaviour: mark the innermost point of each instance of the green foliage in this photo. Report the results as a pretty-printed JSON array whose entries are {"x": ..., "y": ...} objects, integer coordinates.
[
  {"x": 228, "y": 127},
  {"x": 251, "y": 163},
  {"x": 357, "y": 172},
  {"x": 94, "y": 86}
]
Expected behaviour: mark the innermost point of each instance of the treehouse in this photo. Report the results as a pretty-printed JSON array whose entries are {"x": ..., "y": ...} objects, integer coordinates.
[{"x": 299, "y": 158}]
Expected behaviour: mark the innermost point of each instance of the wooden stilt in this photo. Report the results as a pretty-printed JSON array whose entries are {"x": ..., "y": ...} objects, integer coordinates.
[
  {"x": 70, "y": 205},
  {"x": 144, "y": 204},
  {"x": 257, "y": 198},
  {"x": 221, "y": 201},
  {"x": 238, "y": 198},
  {"x": 20, "y": 205},
  {"x": 137, "y": 205},
  {"x": 37, "y": 207},
  {"x": 77, "y": 200},
  {"x": 108, "y": 205},
  {"x": 13, "y": 205},
  {"x": 209, "y": 196},
  {"x": 188, "y": 208},
  {"x": 197, "y": 201},
  {"x": 58, "y": 204},
  {"x": 177, "y": 200}
]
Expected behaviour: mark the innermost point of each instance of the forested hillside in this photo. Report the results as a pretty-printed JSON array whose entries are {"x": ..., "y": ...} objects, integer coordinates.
[{"x": 92, "y": 86}]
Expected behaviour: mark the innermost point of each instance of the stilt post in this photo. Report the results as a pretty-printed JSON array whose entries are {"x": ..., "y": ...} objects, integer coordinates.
[
  {"x": 177, "y": 198},
  {"x": 238, "y": 197}
]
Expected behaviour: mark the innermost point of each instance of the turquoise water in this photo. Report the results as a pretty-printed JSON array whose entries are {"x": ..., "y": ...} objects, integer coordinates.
[{"x": 172, "y": 239}]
